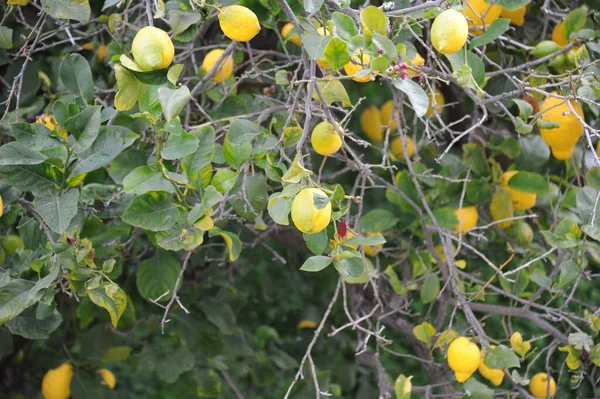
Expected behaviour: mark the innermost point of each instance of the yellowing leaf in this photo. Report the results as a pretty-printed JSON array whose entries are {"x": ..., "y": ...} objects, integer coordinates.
[
  {"x": 520, "y": 346},
  {"x": 501, "y": 207},
  {"x": 112, "y": 298},
  {"x": 130, "y": 89},
  {"x": 445, "y": 339},
  {"x": 424, "y": 332}
]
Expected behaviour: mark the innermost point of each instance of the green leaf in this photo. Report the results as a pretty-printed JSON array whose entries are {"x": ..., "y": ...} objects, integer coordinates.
[
  {"x": 180, "y": 21},
  {"x": 79, "y": 10},
  {"x": 14, "y": 153},
  {"x": 173, "y": 101},
  {"x": 337, "y": 53},
  {"x": 474, "y": 156},
  {"x": 595, "y": 355},
  {"x": 157, "y": 275},
  {"x": 279, "y": 208},
  {"x": 33, "y": 136},
  {"x": 179, "y": 146},
  {"x": 152, "y": 211},
  {"x": 210, "y": 198},
  {"x": 237, "y": 147},
  {"x": 592, "y": 177},
  {"x": 57, "y": 212},
  {"x": 256, "y": 189},
  {"x": 316, "y": 242},
  {"x": 144, "y": 179},
  {"x": 312, "y": 6},
  {"x": 35, "y": 178},
  {"x": 374, "y": 20},
  {"x": 424, "y": 332},
  {"x": 193, "y": 164},
  {"x": 479, "y": 191},
  {"x": 378, "y": 220},
  {"x": 446, "y": 217},
  {"x": 117, "y": 354},
  {"x": 6, "y": 41},
  {"x": 296, "y": 172},
  {"x": 85, "y": 385},
  {"x": 85, "y": 127},
  {"x": 315, "y": 45},
  {"x": 476, "y": 390},
  {"x": 502, "y": 357},
  {"x": 75, "y": 71},
  {"x": 493, "y": 31},
  {"x": 586, "y": 204},
  {"x": 332, "y": 91},
  {"x": 28, "y": 326},
  {"x": 344, "y": 26},
  {"x": 224, "y": 180},
  {"x": 111, "y": 141},
  {"x": 471, "y": 74},
  {"x": 358, "y": 240},
  {"x": 316, "y": 263},
  {"x": 534, "y": 152},
  {"x": 511, "y": 5},
  {"x": 415, "y": 93},
  {"x": 529, "y": 182},
  {"x": 385, "y": 44},
  {"x": 349, "y": 264},
  {"x": 130, "y": 89},
  {"x": 403, "y": 387},
  {"x": 233, "y": 242},
  {"x": 525, "y": 109},
  {"x": 430, "y": 288},
  {"x": 169, "y": 363},
  {"x": 112, "y": 298},
  {"x": 575, "y": 20}
]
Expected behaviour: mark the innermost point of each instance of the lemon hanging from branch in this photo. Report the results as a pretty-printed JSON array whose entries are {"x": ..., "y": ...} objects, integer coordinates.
[
  {"x": 542, "y": 386},
  {"x": 311, "y": 210},
  {"x": 449, "y": 32},
  {"x": 225, "y": 69},
  {"x": 561, "y": 139},
  {"x": 152, "y": 49},
  {"x": 463, "y": 358},
  {"x": 56, "y": 383},
  {"x": 325, "y": 140},
  {"x": 239, "y": 23},
  {"x": 289, "y": 34}
]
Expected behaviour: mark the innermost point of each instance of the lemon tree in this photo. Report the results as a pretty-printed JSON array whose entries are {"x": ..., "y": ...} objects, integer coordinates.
[{"x": 299, "y": 199}]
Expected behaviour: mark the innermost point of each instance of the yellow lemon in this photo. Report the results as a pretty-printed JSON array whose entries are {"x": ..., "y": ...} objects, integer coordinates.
[
  {"x": 517, "y": 17},
  {"x": 449, "y": 32},
  {"x": 89, "y": 46},
  {"x": 357, "y": 64},
  {"x": 521, "y": 200},
  {"x": 542, "y": 386},
  {"x": 239, "y": 23},
  {"x": 562, "y": 139},
  {"x": 370, "y": 123},
  {"x": 325, "y": 139},
  {"x": 481, "y": 13},
  {"x": 323, "y": 60},
  {"x": 311, "y": 210},
  {"x": 102, "y": 52},
  {"x": 224, "y": 71},
  {"x": 463, "y": 358},
  {"x": 152, "y": 49},
  {"x": 108, "y": 377},
  {"x": 56, "y": 383},
  {"x": 416, "y": 62},
  {"x": 558, "y": 35},
  {"x": 387, "y": 110},
  {"x": 289, "y": 33},
  {"x": 306, "y": 324},
  {"x": 467, "y": 218},
  {"x": 1, "y": 207},
  {"x": 436, "y": 102},
  {"x": 372, "y": 250},
  {"x": 495, "y": 376},
  {"x": 398, "y": 149}
]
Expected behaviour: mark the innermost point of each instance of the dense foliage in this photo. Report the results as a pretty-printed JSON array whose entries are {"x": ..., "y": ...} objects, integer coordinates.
[{"x": 298, "y": 199}]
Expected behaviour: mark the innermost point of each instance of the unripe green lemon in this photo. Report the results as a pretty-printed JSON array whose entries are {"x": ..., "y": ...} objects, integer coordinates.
[
  {"x": 11, "y": 243},
  {"x": 311, "y": 210},
  {"x": 152, "y": 49}
]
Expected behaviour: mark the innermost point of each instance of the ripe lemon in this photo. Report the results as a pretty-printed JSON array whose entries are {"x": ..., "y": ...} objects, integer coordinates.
[
  {"x": 239, "y": 23},
  {"x": 311, "y": 210},
  {"x": 562, "y": 139},
  {"x": 467, "y": 218},
  {"x": 372, "y": 250},
  {"x": 102, "y": 52},
  {"x": 370, "y": 123},
  {"x": 495, "y": 376},
  {"x": 521, "y": 200},
  {"x": 480, "y": 13},
  {"x": 398, "y": 150},
  {"x": 325, "y": 140},
  {"x": 558, "y": 35},
  {"x": 542, "y": 386},
  {"x": 517, "y": 17},
  {"x": 224, "y": 71},
  {"x": 323, "y": 60},
  {"x": 357, "y": 64},
  {"x": 416, "y": 62},
  {"x": 387, "y": 110},
  {"x": 449, "y": 32},
  {"x": 463, "y": 358},
  {"x": 289, "y": 33},
  {"x": 11, "y": 243},
  {"x": 56, "y": 383},
  {"x": 1, "y": 207},
  {"x": 436, "y": 102},
  {"x": 152, "y": 49},
  {"x": 108, "y": 377}
]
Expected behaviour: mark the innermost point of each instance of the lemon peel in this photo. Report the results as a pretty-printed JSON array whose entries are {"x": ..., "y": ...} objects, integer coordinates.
[
  {"x": 449, "y": 32},
  {"x": 56, "y": 383},
  {"x": 463, "y": 358},
  {"x": 467, "y": 218},
  {"x": 152, "y": 49},
  {"x": 238, "y": 23},
  {"x": 325, "y": 140},
  {"x": 311, "y": 210},
  {"x": 542, "y": 386}
]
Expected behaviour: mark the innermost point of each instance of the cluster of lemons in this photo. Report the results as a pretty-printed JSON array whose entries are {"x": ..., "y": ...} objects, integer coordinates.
[
  {"x": 56, "y": 383},
  {"x": 465, "y": 357}
]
